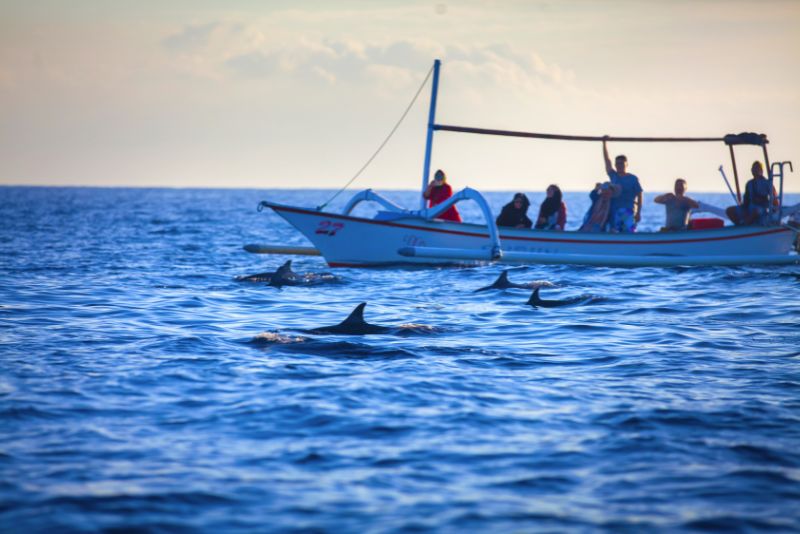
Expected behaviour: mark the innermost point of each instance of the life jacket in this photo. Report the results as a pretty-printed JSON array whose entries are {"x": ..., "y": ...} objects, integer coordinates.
[{"x": 759, "y": 193}]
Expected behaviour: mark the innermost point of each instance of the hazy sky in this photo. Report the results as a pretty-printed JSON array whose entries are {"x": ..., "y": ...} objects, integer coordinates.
[{"x": 293, "y": 94}]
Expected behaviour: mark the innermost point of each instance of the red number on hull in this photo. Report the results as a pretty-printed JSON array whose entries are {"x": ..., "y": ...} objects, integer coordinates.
[{"x": 329, "y": 228}]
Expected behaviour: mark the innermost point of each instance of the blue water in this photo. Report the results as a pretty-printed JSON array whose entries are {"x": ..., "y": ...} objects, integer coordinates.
[{"x": 144, "y": 389}]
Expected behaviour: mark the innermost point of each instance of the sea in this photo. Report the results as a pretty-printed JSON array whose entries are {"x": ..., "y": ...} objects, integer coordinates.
[{"x": 143, "y": 388}]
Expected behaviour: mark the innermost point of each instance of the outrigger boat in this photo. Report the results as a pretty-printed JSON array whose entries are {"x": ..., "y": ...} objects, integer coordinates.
[{"x": 405, "y": 236}]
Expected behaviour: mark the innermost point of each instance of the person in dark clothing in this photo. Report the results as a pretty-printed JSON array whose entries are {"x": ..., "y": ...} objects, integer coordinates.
[
  {"x": 515, "y": 213},
  {"x": 755, "y": 204},
  {"x": 553, "y": 211}
]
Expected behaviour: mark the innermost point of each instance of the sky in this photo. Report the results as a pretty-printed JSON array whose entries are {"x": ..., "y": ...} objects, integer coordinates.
[{"x": 299, "y": 94}]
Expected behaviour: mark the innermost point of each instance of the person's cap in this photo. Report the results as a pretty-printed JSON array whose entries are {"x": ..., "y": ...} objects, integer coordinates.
[{"x": 519, "y": 196}]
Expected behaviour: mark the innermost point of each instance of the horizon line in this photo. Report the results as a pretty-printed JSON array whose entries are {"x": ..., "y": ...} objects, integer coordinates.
[{"x": 81, "y": 186}]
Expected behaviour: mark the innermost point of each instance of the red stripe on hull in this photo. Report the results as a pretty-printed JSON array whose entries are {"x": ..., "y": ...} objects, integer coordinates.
[{"x": 532, "y": 239}]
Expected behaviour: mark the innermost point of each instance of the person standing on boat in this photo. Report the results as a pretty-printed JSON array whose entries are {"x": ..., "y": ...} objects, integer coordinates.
[
  {"x": 553, "y": 211},
  {"x": 437, "y": 192},
  {"x": 597, "y": 217},
  {"x": 515, "y": 213},
  {"x": 755, "y": 204},
  {"x": 678, "y": 207},
  {"x": 626, "y": 209}
]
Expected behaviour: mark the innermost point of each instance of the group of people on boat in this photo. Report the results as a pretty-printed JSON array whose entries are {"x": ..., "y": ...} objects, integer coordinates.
[
  {"x": 616, "y": 204},
  {"x": 552, "y": 212}
]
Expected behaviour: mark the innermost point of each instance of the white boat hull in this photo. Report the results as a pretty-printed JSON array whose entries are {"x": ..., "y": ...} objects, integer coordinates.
[{"x": 347, "y": 241}]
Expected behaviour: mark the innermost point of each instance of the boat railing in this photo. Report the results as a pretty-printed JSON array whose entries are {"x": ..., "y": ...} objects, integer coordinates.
[
  {"x": 776, "y": 170},
  {"x": 430, "y": 213},
  {"x": 371, "y": 196},
  {"x": 470, "y": 194}
]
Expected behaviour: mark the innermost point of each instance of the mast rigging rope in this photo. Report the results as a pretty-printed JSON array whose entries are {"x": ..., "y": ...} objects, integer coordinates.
[{"x": 425, "y": 81}]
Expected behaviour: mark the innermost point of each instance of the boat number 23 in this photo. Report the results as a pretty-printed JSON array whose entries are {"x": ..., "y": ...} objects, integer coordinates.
[{"x": 329, "y": 228}]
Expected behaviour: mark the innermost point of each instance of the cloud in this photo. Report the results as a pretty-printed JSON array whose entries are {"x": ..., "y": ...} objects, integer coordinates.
[
  {"x": 191, "y": 38},
  {"x": 349, "y": 61},
  {"x": 506, "y": 65},
  {"x": 254, "y": 64}
]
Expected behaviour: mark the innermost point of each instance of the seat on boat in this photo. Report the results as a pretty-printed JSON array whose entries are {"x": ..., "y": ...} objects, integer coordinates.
[{"x": 706, "y": 223}]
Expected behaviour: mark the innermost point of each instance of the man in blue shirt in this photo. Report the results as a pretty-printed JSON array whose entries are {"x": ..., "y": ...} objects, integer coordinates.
[{"x": 626, "y": 209}]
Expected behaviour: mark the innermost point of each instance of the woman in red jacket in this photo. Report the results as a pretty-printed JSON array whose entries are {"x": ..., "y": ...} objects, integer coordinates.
[{"x": 437, "y": 192}]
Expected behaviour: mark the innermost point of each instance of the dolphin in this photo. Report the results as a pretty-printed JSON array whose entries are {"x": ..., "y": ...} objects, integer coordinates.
[
  {"x": 285, "y": 276},
  {"x": 280, "y": 277},
  {"x": 503, "y": 282},
  {"x": 355, "y": 325},
  {"x": 538, "y": 302}
]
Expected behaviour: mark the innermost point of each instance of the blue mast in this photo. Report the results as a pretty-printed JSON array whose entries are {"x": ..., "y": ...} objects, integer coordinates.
[{"x": 426, "y": 171}]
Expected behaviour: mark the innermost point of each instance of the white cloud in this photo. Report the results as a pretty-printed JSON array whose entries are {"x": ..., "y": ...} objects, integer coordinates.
[
  {"x": 191, "y": 38},
  {"x": 248, "y": 51},
  {"x": 254, "y": 64}
]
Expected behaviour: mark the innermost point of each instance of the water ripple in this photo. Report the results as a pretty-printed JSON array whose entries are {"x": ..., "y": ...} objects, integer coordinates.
[{"x": 144, "y": 389}]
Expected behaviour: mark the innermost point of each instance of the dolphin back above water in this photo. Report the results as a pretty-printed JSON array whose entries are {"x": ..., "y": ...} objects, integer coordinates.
[
  {"x": 355, "y": 325},
  {"x": 538, "y": 302},
  {"x": 503, "y": 282},
  {"x": 285, "y": 276}
]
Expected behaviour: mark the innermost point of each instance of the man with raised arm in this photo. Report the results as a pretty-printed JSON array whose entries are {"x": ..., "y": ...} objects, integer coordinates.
[{"x": 626, "y": 209}]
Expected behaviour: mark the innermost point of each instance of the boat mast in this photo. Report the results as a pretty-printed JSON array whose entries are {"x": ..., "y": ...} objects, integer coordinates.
[{"x": 426, "y": 171}]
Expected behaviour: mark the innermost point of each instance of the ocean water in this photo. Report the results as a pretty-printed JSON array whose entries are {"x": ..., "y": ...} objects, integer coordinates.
[{"x": 142, "y": 388}]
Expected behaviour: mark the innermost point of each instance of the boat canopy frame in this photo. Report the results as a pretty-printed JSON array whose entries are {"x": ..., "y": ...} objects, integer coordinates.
[{"x": 731, "y": 140}]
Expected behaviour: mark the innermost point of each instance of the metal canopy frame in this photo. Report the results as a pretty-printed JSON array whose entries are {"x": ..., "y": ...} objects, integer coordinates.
[{"x": 744, "y": 138}]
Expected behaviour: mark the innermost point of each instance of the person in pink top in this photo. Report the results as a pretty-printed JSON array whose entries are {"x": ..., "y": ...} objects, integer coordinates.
[{"x": 437, "y": 192}]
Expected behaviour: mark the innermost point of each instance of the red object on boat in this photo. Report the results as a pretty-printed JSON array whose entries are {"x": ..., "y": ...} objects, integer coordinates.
[{"x": 705, "y": 224}]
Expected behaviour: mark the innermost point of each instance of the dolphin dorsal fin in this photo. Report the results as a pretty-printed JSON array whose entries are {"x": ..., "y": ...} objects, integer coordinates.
[
  {"x": 284, "y": 269},
  {"x": 356, "y": 316},
  {"x": 534, "y": 297},
  {"x": 502, "y": 280}
]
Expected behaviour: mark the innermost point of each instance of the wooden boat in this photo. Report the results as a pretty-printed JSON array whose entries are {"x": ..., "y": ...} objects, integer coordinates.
[{"x": 405, "y": 236}]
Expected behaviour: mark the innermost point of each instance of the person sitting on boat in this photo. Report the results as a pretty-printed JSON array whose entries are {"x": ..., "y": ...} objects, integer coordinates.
[
  {"x": 596, "y": 218},
  {"x": 626, "y": 209},
  {"x": 515, "y": 213},
  {"x": 679, "y": 207},
  {"x": 755, "y": 204},
  {"x": 553, "y": 211},
  {"x": 437, "y": 192}
]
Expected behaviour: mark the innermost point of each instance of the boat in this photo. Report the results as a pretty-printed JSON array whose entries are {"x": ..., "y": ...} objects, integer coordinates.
[{"x": 401, "y": 236}]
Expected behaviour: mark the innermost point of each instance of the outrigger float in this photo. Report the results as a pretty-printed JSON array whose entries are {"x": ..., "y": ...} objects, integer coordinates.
[{"x": 403, "y": 236}]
